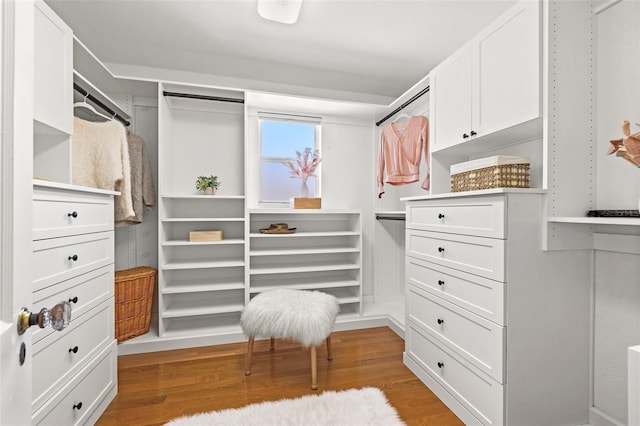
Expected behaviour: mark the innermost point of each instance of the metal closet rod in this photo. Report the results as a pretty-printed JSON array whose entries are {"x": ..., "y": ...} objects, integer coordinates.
[
  {"x": 389, "y": 218},
  {"x": 104, "y": 107},
  {"x": 403, "y": 106},
  {"x": 202, "y": 97}
]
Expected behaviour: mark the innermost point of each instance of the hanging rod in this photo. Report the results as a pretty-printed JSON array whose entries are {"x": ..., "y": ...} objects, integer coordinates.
[
  {"x": 104, "y": 107},
  {"x": 203, "y": 97},
  {"x": 403, "y": 106},
  {"x": 389, "y": 218}
]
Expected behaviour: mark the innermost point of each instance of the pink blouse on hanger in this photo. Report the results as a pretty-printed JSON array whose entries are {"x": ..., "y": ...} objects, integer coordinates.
[{"x": 401, "y": 150}]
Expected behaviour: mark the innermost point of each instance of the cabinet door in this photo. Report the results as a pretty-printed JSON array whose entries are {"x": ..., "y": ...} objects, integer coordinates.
[
  {"x": 508, "y": 79},
  {"x": 451, "y": 100},
  {"x": 53, "y": 70}
]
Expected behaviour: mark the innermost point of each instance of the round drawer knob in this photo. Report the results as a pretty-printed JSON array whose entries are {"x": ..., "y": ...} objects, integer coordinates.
[
  {"x": 73, "y": 214},
  {"x": 440, "y": 321},
  {"x": 440, "y": 216},
  {"x": 74, "y": 300},
  {"x": 473, "y": 133},
  {"x": 440, "y": 249},
  {"x": 440, "y": 282},
  {"x": 74, "y": 257},
  {"x": 440, "y": 364},
  {"x": 77, "y": 406},
  {"x": 465, "y": 136},
  {"x": 74, "y": 350}
]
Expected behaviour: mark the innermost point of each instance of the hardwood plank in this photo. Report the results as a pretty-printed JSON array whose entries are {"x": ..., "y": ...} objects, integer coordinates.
[{"x": 156, "y": 387}]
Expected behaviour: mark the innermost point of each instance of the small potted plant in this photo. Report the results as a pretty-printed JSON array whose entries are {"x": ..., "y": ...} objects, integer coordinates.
[{"x": 208, "y": 184}]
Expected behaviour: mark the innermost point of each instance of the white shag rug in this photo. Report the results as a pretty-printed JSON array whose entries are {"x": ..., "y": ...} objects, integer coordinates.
[{"x": 353, "y": 407}]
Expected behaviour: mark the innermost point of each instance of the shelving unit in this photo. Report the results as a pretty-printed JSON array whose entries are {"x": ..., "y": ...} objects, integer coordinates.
[
  {"x": 325, "y": 254},
  {"x": 201, "y": 284}
]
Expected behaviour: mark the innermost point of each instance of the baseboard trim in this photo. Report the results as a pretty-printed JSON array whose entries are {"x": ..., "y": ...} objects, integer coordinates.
[
  {"x": 149, "y": 343},
  {"x": 598, "y": 418}
]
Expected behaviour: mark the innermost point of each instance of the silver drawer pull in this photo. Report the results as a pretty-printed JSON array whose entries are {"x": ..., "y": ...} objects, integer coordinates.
[
  {"x": 440, "y": 364},
  {"x": 440, "y": 321},
  {"x": 73, "y": 214},
  {"x": 441, "y": 249}
]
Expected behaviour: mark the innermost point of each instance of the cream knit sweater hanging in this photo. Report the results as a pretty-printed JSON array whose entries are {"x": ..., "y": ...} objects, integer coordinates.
[{"x": 101, "y": 160}]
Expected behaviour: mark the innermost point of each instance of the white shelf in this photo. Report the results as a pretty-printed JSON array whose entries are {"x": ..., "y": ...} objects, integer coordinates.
[
  {"x": 294, "y": 251},
  {"x": 184, "y": 310},
  {"x": 202, "y": 265},
  {"x": 623, "y": 221},
  {"x": 305, "y": 234},
  {"x": 283, "y": 268},
  {"x": 194, "y": 286},
  {"x": 217, "y": 325},
  {"x": 202, "y": 219},
  {"x": 202, "y": 197},
  {"x": 303, "y": 283},
  {"x": 231, "y": 241}
]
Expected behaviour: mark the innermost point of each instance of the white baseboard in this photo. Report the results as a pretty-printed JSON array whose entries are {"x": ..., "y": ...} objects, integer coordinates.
[
  {"x": 152, "y": 343},
  {"x": 598, "y": 418}
]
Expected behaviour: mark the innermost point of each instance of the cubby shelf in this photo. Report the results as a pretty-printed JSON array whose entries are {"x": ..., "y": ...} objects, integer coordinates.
[{"x": 323, "y": 254}]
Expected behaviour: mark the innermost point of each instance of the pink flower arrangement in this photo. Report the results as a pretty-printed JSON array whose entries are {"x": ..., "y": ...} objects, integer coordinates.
[{"x": 304, "y": 166}]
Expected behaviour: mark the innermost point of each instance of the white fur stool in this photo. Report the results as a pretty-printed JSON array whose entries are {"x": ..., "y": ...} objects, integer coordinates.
[{"x": 305, "y": 316}]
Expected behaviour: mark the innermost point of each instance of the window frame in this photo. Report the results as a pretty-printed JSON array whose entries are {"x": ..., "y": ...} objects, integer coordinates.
[{"x": 316, "y": 122}]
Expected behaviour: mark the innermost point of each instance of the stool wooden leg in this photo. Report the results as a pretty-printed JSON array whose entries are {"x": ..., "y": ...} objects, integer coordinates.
[
  {"x": 247, "y": 367},
  {"x": 272, "y": 344},
  {"x": 329, "y": 356},
  {"x": 314, "y": 368}
]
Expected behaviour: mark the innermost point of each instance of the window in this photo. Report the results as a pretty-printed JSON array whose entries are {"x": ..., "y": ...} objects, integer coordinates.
[{"x": 280, "y": 139}]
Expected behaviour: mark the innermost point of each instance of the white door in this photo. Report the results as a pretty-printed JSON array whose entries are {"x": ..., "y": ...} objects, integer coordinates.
[{"x": 16, "y": 164}]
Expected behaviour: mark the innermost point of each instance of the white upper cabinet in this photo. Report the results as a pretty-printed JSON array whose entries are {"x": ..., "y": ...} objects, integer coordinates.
[
  {"x": 53, "y": 71},
  {"x": 492, "y": 83}
]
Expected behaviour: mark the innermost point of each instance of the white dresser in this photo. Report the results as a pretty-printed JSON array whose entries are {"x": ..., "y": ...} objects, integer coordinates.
[
  {"x": 493, "y": 326},
  {"x": 74, "y": 370}
]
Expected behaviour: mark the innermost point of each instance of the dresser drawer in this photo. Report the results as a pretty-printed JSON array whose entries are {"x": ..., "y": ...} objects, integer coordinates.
[
  {"x": 480, "y": 394},
  {"x": 54, "y": 359},
  {"x": 77, "y": 400},
  {"x": 53, "y": 259},
  {"x": 479, "y": 216},
  {"x": 475, "y": 255},
  {"x": 59, "y": 213},
  {"x": 476, "y": 339},
  {"x": 83, "y": 293},
  {"x": 479, "y": 295}
]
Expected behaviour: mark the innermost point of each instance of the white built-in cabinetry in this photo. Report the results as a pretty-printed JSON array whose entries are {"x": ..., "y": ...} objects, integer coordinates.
[
  {"x": 492, "y": 83},
  {"x": 74, "y": 370},
  {"x": 201, "y": 285},
  {"x": 489, "y": 333},
  {"x": 53, "y": 92},
  {"x": 324, "y": 253}
]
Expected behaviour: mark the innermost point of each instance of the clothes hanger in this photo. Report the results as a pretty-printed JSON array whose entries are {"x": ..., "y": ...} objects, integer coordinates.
[
  {"x": 401, "y": 117},
  {"x": 86, "y": 105}
]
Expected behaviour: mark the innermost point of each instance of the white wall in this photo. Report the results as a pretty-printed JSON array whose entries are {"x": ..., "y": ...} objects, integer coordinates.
[{"x": 617, "y": 257}]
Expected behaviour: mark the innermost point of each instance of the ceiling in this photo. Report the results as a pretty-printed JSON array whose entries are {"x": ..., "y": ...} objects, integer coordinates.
[{"x": 372, "y": 47}]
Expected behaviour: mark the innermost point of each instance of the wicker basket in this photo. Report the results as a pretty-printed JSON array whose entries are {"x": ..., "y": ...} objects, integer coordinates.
[
  {"x": 133, "y": 299},
  {"x": 472, "y": 176}
]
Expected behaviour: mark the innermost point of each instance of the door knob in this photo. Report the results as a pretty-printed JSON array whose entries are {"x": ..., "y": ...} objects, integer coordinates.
[{"x": 57, "y": 317}]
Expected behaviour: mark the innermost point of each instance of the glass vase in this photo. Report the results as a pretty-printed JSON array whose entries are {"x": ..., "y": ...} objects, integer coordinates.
[{"x": 304, "y": 190}]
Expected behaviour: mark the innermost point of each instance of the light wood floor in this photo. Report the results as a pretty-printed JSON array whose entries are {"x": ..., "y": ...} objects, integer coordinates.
[{"x": 157, "y": 387}]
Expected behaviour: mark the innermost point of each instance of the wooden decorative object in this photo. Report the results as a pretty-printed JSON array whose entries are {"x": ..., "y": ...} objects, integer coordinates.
[
  {"x": 307, "y": 203},
  {"x": 202, "y": 236}
]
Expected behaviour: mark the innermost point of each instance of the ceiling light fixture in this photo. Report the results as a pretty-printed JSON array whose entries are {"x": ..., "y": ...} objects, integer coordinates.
[{"x": 283, "y": 11}]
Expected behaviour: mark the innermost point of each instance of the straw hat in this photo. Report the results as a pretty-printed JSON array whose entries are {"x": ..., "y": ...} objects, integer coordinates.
[{"x": 278, "y": 228}]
